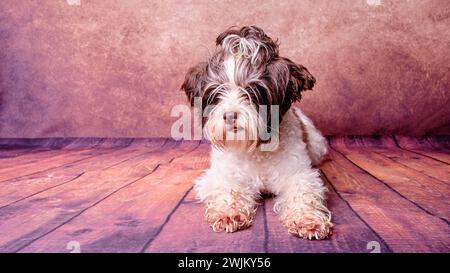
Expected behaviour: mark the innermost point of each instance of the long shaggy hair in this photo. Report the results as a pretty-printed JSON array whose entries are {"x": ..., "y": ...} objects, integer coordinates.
[
  {"x": 245, "y": 89},
  {"x": 244, "y": 74}
]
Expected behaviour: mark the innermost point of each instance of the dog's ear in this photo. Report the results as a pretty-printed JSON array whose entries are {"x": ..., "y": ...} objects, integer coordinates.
[
  {"x": 194, "y": 82},
  {"x": 288, "y": 80},
  {"x": 300, "y": 79}
]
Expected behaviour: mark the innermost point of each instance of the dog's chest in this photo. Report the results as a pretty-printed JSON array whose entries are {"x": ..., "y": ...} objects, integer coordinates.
[{"x": 264, "y": 168}]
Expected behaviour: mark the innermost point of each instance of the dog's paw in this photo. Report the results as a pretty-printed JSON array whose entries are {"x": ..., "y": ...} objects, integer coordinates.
[
  {"x": 309, "y": 226},
  {"x": 229, "y": 220}
]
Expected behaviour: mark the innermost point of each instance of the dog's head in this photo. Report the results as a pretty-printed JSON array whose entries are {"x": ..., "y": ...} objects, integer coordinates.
[{"x": 242, "y": 86}]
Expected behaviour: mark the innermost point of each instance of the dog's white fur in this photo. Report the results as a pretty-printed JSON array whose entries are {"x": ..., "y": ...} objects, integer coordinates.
[
  {"x": 232, "y": 185},
  {"x": 240, "y": 171}
]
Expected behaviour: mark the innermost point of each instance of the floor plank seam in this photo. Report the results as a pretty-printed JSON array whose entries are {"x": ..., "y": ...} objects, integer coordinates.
[
  {"x": 82, "y": 173},
  {"x": 158, "y": 149},
  {"x": 169, "y": 216},
  {"x": 85, "y": 209},
  {"x": 415, "y": 152},
  {"x": 129, "y": 142},
  {"x": 427, "y": 139},
  {"x": 29, "y": 152},
  {"x": 72, "y": 162},
  {"x": 410, "y": 168},
  {"x": 36, "y": 148},
  {"x": 41, "y": 191},
  {"x": 391, "y": 188},
  {"x": 102, "y": 140},
  {"x": 102, "y": 199},
  {"x": 356, "y": 214},
  {"x": 52, "y": 168},
  {"x": 266, "y": 228},
  {"x": 422, "y": 154}
]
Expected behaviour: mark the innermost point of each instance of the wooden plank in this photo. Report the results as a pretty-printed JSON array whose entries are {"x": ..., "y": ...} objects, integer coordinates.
[
  {"x": 14, "y": 148},
  {"x": 54, "y": 159},
  {"x": 187, "y": 231},
  {"x": 433, "y": 142},
  {"x": 46, "y": 147},
  {"x": 350, "y": 233},
  {"x": 127, "y": 220},
  {"x": 437, "y": 155},
  {"x": 45, "y": 150},
  {"x": 75, "y": 150},
  {"x": 431, "y": 147},
  {"x": 30, "y": 158},
  {"x": 423, "y": 164},
  {"x": 28, "y": 220},
  {"x": 440, "y": 141},
  {"x": 84, "y": 143},
  {"x": 17, "y": 189},
  {"x": 114, "y": 143},
  {"x": 382, "y": 142},
  {"x": 388, "y": 146},
  {"x": 403, "y": 226},
  {"x": 35, "y": 143},
  {"x": 9, "y": 153},
  {"x": 13, "y": 153},
  {"x": 435, "y": 148},
  {"x": 11, "y": 147},
  {"x": 425, "y": 191}
]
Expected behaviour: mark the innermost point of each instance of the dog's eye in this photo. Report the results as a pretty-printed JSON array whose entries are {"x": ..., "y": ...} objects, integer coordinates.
[
  {"x": 258, "y": 94},
  {"x": 211, "y": 98},
  {"x": 252, "y": 92}
]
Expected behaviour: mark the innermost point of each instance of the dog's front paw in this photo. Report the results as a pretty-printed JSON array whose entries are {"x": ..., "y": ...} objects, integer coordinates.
[
  {"x": 309, "y": 226},
  {"x": 229, "y": 220}
]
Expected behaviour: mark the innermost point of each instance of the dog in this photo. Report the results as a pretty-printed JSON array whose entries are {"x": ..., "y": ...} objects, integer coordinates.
[{"x": 244, "y": 75}]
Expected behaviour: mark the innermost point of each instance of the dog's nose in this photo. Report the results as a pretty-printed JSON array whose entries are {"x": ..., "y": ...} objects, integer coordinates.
[{"x": 230, "y": 117}]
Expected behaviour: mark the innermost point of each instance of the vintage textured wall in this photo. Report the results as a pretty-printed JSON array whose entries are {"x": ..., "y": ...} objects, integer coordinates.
[{"x": 113, "y": 68}]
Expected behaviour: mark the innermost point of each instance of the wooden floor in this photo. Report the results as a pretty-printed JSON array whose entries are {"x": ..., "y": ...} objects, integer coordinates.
[{"x": 135, "y": 195}]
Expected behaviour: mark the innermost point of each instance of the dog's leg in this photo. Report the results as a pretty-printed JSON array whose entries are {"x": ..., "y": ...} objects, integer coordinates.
[
  {"x": 230, "y": 204},
  {"x": 302, "y": 207}
]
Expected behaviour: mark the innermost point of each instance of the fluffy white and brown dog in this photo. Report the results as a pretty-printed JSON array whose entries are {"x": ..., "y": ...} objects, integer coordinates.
[{"x": 260, "y": 144}]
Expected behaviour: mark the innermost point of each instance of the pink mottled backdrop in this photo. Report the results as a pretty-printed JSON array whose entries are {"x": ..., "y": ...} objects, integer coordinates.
[{"x": 113, "y": 68}]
